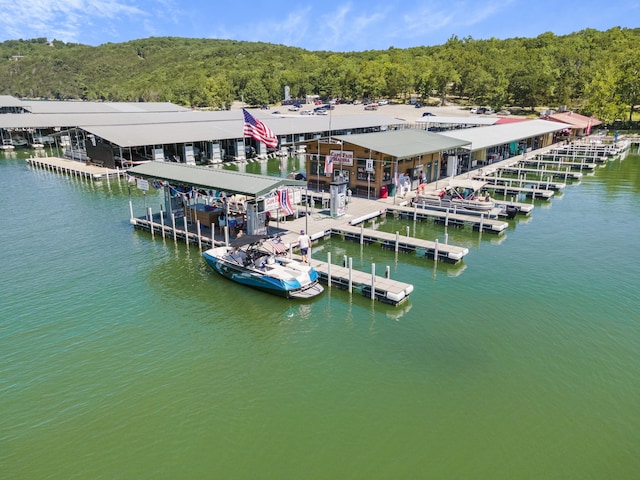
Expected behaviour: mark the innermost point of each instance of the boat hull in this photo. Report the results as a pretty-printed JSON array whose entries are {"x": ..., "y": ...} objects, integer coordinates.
[{"x": 291, "y": 281}]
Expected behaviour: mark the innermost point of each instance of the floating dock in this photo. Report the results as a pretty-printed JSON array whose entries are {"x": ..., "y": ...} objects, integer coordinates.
[
  {"x": 370, "y": 285},
  {"x": 74, "y": 168},
  {"x": 401, "y": 243},
  {"x": 479, "y": 221},
  {"x": 567, "y": 174},
  {"x": 539, "y": 161}
]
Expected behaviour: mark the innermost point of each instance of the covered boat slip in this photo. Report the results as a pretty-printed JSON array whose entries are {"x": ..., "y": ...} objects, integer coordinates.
[{"x": 203, "y": 194}]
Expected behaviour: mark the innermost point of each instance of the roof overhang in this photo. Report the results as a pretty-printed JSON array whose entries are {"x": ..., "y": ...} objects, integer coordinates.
[{"x": 216, "y": 179}]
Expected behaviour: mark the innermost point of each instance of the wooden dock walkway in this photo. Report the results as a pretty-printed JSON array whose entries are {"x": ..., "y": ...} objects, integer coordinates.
[
  {"x": 539, "y": 161},
  {"x": 506, "y": 187},
  {"x": 369, "y": 285},
  {"x": 567, "y": 174},
  {"x": 401, "y": 243},
  {"x": 479, "y": 222},
  {"x": 74, "y": 168}
]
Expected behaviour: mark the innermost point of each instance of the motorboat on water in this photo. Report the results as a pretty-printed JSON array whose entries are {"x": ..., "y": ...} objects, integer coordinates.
[
  {"x": 461, "y": 194},
  {"x": 260, "y": 261}
]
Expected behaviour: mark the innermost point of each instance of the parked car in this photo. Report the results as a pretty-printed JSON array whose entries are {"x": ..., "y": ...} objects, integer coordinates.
[
  {"x": 265, "y": 107},
  {"x": 294, "y": 108},
  {"x": 473, "y": 110},
  {"x": 371, "y": 106},
  {"x": 427, "y": 114},
  {"x": 419, "y": 104},
  {"x": 306, "y": 112},
  {"x": 383, "y": 102},
  {"x": 322, "y": 111}
]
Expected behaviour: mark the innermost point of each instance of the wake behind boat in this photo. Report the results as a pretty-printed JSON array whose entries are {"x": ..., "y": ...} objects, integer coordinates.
[{"x": 257, "y": 261}]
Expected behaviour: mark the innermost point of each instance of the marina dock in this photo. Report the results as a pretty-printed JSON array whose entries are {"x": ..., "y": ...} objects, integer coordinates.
[
  {"x": 540, "y": 162},
  {"x": 486, "y": 222},
  {"x": 74, "y": 168},
  {"x": 370, "y": 285},
  {"x": 567, "y": 174}
]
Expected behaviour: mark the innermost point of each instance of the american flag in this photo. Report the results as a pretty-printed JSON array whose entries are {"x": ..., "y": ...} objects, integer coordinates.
[
  {"x": 278, "y": 246},
  {"x": 285, "y": 201},
  {"x": 257, "y": 130}
]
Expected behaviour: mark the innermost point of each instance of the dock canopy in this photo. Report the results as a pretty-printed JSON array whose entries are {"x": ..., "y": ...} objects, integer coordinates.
[{"x": 208, "y": 178}]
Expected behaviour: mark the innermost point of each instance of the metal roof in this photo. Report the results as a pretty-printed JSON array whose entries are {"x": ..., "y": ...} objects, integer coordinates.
[
  {"x": 71, "y": 106},
  {"x": 130, "y": 129},
  {"x": 485, "y": 137},
  {"x": 458, "y": 120},
  {"x": 574, "y": 119},
  {"x": 210, "y": 178},
  {"x": 9, "y": 101},
  {"x": 184, "y": 128},
  {"x": 404, "y": 143}
]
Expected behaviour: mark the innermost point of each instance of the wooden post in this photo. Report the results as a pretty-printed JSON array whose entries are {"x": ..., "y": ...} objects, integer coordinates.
[
  {"x": 350, "y": 285},
  {"x": 329, "y": 269}
]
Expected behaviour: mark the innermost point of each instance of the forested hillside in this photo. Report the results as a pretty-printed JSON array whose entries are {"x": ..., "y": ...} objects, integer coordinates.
[{"x": 590, "y": 71}]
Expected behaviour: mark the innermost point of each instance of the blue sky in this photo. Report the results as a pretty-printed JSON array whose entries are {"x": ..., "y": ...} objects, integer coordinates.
[{"x": 341, "y": 26}]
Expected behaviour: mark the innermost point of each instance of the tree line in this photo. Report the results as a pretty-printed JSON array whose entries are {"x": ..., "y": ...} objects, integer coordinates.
[{"x": 593, "y": 72}]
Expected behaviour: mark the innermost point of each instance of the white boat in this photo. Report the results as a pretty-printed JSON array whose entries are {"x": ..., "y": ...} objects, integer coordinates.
[
  {"x": 20, "y": 141},
  {"x": 463, "y": 194},
  {"x": 257, "y": 261},
  {"x": 7, "y": 144}
]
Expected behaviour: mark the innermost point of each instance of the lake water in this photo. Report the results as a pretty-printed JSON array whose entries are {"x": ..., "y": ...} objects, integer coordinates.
[{"x": 126, "y": 357}]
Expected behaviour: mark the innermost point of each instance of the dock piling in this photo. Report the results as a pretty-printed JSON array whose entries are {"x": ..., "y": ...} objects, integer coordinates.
[
  {"x": 150, "y": 214},
  {"x": 186, "y": 230},
  {"x": 373, "y": 281}
]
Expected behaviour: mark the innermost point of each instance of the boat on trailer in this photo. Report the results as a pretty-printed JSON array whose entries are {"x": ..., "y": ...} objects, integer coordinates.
[
  {"x": 460, "y": 194},
  {"x": 260, "y": 262}
]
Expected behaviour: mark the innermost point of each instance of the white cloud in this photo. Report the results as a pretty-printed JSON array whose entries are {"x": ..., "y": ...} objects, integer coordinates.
[
  {"x": 454, "y": 15},
  {"x": 67, "y": 20}
]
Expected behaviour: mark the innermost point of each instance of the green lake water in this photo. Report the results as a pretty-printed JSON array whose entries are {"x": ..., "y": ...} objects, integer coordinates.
[{"x": 123, "y": 356}]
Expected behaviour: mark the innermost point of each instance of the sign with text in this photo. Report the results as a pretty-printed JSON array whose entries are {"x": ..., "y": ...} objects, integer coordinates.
[
  {"x": 369, "y": 165},
  {"x": 341, "y": 158},
  {"x": 142, "y": 184}
]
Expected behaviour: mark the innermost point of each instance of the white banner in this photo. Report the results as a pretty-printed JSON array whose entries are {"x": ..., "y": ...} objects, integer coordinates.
[
  {"x": 341, "y": 158},
  {"x": 142, "y": 184}
]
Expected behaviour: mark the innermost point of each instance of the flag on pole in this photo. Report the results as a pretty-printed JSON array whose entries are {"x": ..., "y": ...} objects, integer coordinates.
[
  {"x": 328, "y": 165},
  {"x": 284, "y": 200},
  {"x": 257, "y": 130}
]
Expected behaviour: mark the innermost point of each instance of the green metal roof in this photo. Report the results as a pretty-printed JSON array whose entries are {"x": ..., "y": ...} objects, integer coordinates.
[
  {"x": 209, "y": 178},
  {"x": 403, "y": 143}
]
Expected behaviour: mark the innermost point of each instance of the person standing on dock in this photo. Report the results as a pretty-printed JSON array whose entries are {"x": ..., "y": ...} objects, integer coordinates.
[{"x": 303, "y": 243}]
